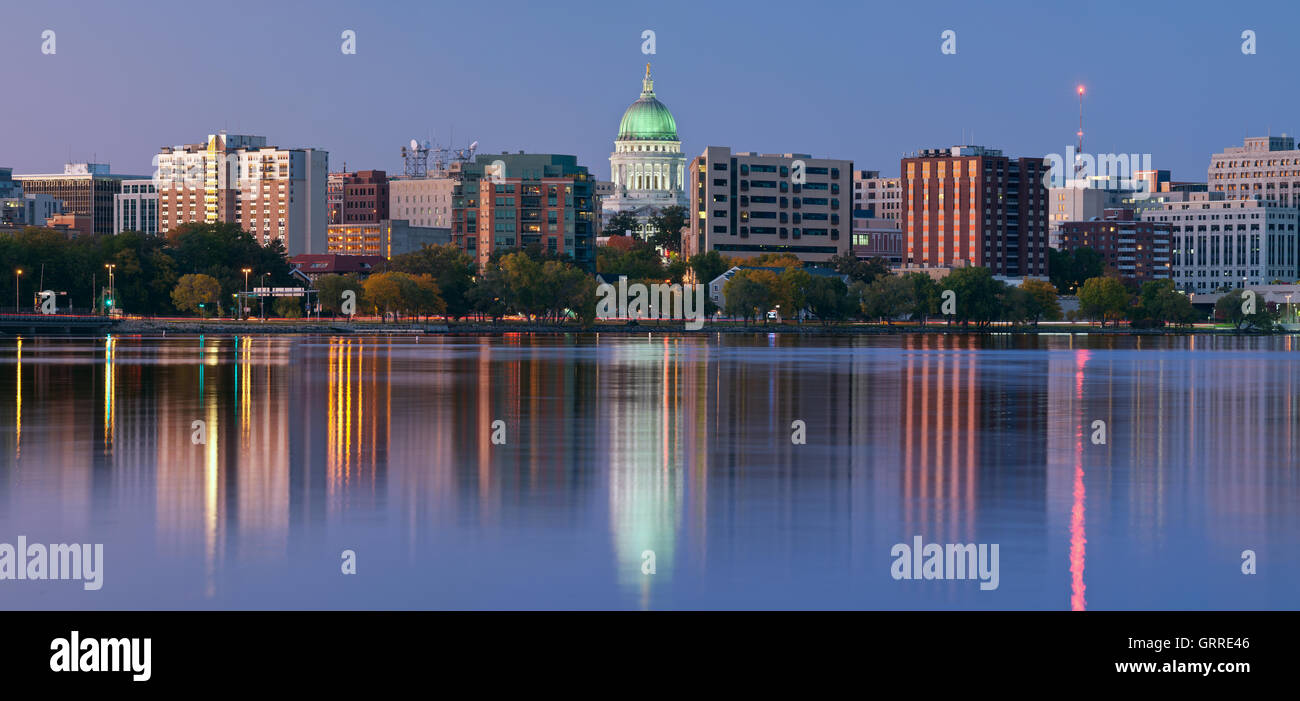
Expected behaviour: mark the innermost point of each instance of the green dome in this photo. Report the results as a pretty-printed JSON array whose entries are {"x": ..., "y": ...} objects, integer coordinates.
[{"x": 647, "y": 119}]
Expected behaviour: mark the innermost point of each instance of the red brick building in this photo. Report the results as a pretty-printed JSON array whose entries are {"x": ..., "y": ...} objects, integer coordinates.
[
  {"x": 968, "y": 205},
  {"x": 365, "y": 197},
  {"x": 1137, "y": 249}
]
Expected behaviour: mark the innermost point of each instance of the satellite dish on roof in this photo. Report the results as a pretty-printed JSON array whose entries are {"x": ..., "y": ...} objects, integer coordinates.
[
  {"x": 473, "y": 146},
  {"x": 414, "y": 144}
]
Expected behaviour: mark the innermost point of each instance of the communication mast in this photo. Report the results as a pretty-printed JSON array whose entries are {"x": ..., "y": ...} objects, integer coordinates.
[
  {"x": 1078, "y": 154},
  {"x": 464, "y": 155},
  {"x": 415, "y": 157}
]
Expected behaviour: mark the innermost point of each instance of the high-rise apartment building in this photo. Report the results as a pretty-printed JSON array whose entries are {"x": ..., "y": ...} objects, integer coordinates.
[
  {"x": 86, "y": 190},
  {"x": 1229, "y": 243},
  {"x": 516, "y": 200},
  {"x": 272, "y": 193},
  {"x": 969, "y": 205},
  {"x": 1265, "y": 168},
  {"x": 135, "y": 208},
  {"x": 884, "y": 196},
  {"x": 746, "y": 204},
  {"x": 1138, "y": 249}
]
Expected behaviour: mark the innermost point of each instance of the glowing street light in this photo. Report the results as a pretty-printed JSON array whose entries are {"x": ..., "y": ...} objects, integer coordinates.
[
  {"x": 111, "y": 291},
  {"x": 244, "y": 301},
  {"x": 18, "y": 275}
]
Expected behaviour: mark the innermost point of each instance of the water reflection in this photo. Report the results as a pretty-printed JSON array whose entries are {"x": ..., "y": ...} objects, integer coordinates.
[{"x": 616, "y": 446}]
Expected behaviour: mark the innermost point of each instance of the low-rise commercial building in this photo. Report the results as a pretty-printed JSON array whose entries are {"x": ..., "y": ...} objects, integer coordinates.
[
  {"x": 315, "y": 265},
  {"x": 387, "y": 238},
  {"x": 28, "y": 210},
  {"x": 86, "y": 189},
  {"x": 875, "y": 237}
]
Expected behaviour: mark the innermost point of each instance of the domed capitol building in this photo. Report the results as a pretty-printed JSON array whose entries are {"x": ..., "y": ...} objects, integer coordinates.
[{"x": 647, "y": 167}]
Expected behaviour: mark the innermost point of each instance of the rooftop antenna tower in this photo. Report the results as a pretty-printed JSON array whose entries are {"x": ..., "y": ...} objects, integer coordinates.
[
  {"x": 415, "y": 157},
  {"x": 464, "y": 155},
  {"x": 1078, "y": 154}
]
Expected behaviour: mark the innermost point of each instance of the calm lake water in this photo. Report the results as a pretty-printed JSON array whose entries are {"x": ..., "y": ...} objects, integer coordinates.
[{"x": 616, "y": 445}]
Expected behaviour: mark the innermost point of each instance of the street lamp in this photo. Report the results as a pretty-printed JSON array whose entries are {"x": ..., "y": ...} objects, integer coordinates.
[
  {"x": 244, "y": 301},
  {"x": 18, "y": 275},
  {"x": 261, "y": 299},
  {"x": 112, "y": 302}
]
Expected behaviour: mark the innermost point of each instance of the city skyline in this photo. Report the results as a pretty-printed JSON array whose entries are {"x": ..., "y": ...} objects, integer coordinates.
[{"x": 425, "y": 74}]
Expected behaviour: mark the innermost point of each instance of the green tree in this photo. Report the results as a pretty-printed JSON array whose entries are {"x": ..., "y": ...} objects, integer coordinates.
[
  {"x": 525, "y": 288},
  {"x": 887, "y": 297},
  {"x": 1103, "y": 298},
  {"x": 745, "y": 296},
  {"x": 1246, "y": 312},
  {"x": 197, "y": 293},
  {"x": 778, "y": 295},
  {"x": 287, "y": 307},
  {"x": 620, "y": 224},
  {"x": 330, "y": 289},
  {"x": 1042, "y": 302},
  {"x": 569, "y": 293},
  {"x": 828, "y": 299},
  {"x": 924, "y": 298},
  {"x": 389, "y": 293},
  {"x": 451, "y": 268},
  {"x": 489, "y": 295},
  {"x": 775, "y": 260},
  {"x": 666, "y": 228},
  {"x": 1067, "y": 270},
  {"x": 708, "y": 265},
  {"x": 641, "y": 263},
  {"x": 793, "y": 291},
  {"x": 1159, "y": 303},
  {"x": 424, "y": 298},
  {"x": 859, "y": 270},
  {"x": 1015, "y": 304},
  {"x": 978, "y": 295},
  {"x": 676, "y": 269},
  {"x": 223, "y": 250}
]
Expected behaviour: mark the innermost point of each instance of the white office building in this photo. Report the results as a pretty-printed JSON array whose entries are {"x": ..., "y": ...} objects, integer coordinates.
[
  {"x": 1229, "y": 243},
  {"x": 135, "y": 208}
]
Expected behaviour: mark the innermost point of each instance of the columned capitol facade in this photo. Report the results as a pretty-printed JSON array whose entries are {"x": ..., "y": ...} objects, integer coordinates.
[{"x": 647, "y": 167}]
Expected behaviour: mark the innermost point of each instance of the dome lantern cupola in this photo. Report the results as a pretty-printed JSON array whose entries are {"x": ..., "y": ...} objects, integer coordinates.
[{"x": 647, "y": 119}]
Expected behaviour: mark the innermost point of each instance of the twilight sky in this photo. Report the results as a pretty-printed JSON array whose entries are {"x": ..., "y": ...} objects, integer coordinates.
[{"x": 858, "y": 80}]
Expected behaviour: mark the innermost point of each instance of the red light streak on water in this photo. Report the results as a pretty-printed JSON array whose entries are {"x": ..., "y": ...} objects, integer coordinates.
[{"x": 1078, "y": 534}]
